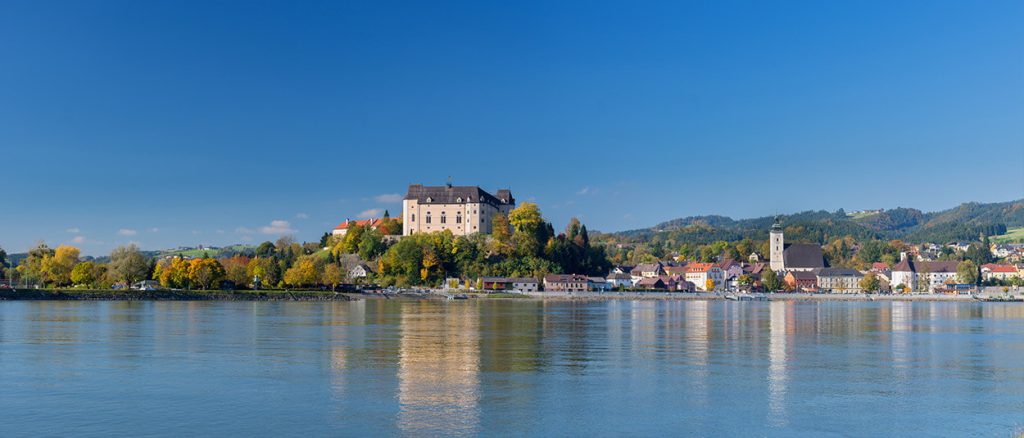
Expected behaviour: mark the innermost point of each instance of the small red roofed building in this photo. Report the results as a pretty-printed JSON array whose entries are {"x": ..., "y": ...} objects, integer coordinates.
[
  {"x": 700, "y": 273},
  {"x": 343, "y": 228}
]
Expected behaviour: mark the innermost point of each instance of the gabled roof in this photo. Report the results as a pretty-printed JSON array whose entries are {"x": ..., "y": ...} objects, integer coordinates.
[
  {"x": 700, "y": 267},
  {"x": 372, "y": 223},
  {"x": 992, "y": 267},
  {"x": 802, "y": 275},
  {"x": 803, "y": 256},
  {"x": 564, "y": 278}
]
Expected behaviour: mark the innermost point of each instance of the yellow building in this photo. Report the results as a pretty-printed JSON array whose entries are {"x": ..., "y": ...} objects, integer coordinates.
[{"x": 462, "y": 210}]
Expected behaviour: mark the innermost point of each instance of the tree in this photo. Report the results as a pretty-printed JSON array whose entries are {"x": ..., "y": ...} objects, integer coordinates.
[
  {"x": 84, "y": 274},
  {"x": 501, "y": 237},
  {"x": 128, "y": 265},
  {"x": 236, "y": 270},
  {"x": 770, "y": 281},
  {"x": 709, "y": 285},
  {"x": 332, "y": 275},
  {"x": 371, "y": 245},
  {"x": 32, "y": 267},
  {"x": 303, "y": 273},
  {"x": 265, "y": 249},
  {"x": 58, "y": 268},
  {"x": 205, "y": 272},
  {"x": 870, "y": 283},
  {"x": 968, "y": 272},
  {"x": 265, "y": 269}
]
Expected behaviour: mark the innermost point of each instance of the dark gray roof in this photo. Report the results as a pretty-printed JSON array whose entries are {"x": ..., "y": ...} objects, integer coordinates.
[
  {"x": 803, "y": 255},
  {"x": 453, "y": 194}
]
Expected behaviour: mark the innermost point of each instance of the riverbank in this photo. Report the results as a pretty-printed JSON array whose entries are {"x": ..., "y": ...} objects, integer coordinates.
[
  {"x": 169, "y": 295},
  {"x": 597, "y": 296}
]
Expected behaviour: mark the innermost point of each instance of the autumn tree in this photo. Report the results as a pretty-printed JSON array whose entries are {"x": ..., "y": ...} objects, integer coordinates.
[
  {"x": 84, "y": 274},
  {"x": 870, "y": 283},
  {"x": 205, "y": 272},
  {"x": 265, "y": 269},
  {"x": 304, "y": 272},
  {"x": 709, "y": 285},
  {"x": 332, "y": 275},
  {"x": 58, "y": 268},
  {"x": 501, "y": 236}
]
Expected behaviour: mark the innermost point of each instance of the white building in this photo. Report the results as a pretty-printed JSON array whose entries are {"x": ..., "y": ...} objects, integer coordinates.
[{"x": 462, "y": 210}]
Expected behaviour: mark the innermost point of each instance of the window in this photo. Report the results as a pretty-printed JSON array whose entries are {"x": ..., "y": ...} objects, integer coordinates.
[
  {"x": 458, "y": 217},
  {"x": 428, "y": 217},
  {"x": 412, "y": 218},
  {"x": 429, "y": 199},
  {"x": 443, "y": 218}
]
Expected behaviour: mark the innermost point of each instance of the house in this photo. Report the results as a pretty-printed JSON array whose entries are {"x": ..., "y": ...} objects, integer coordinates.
[
  {"x": 679, "y": 270},
  {"x": 359, "y": 270},
  {"x": 922, "y": 276},
  {"x": 647, "y": 270},
  {"x": 731, "y": 270},
  {"x": 700, "y": 273},
  {"x": 651, "y": 283},
  {"x": 565, "y": 283},
  {"x": 801, "y": 280},
  {"x": 598, "y": 284},
  {"x": 525, "y": 285},
  {"x": 839, "y": 280},
  {"x": 619, "y": 280},
  {"x": 343, "y": 228},
  {"x": 992, "y": 271},
  {"x": 621, "y": 269},
  {"x": 463, "y": 210},
  {"x": 792, "y": 257},
  {"x": 1003, "y": 250}
]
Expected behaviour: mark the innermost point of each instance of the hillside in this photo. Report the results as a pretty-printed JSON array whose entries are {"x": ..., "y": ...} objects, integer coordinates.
[{"x": 964, "y": 222}]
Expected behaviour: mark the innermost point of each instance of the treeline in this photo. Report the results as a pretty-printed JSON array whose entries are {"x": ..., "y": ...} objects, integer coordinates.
[{"x": 522, "y": 245}]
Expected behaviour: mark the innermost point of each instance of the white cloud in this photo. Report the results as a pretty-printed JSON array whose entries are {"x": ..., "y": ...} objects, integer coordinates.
[
  {"x": 278, "y": 227},
  {"x": 196, "y": 232},
  {"x": 78, "y": 239},
  {"x": 587, "y": 190},
  {"x": 126, "y": 232},
  {"x": 73, "y": 230},
  {"x": 220, "y": 231},
  {"x": 244, "y": 230},
  {"x": 373, "y": 212},
  {"x": 388, "y": 198},
  {"x": 302, "y": 216},
  {"x": 154, "y": 230}
]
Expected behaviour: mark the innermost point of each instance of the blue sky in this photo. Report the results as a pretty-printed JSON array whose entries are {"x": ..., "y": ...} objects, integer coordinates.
[{"x": 182, "y": 123}]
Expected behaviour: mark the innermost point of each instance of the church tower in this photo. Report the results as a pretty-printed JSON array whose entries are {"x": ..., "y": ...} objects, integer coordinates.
[{"x": 777, "y": 245}]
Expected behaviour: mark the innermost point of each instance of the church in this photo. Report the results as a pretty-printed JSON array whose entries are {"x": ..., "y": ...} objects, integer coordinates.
[{"x": 795, "y": 256}]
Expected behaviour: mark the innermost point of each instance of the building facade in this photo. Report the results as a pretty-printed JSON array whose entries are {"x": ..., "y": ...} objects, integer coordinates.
[
  {"x": 839, "y": 280},
  {"x": 463, "y": 210},
  {"x": 565, "y": 283}
]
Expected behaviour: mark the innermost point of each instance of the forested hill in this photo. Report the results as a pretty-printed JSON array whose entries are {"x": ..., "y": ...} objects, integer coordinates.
[{"x": 965, "y": 222}]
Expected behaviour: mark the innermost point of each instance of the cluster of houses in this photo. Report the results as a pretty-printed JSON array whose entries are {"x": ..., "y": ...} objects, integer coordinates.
[{"x": 801, "y": 267}]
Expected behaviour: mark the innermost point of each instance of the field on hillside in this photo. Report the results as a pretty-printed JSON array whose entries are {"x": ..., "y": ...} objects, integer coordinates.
[{"x": 1012, "y": 236}]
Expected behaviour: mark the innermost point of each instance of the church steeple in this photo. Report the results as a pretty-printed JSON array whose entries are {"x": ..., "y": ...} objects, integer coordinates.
[{"x": 777, "y": 243}]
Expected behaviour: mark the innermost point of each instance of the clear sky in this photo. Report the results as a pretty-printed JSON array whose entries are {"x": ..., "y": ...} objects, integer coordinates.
[{"x": 181, "y": 123}]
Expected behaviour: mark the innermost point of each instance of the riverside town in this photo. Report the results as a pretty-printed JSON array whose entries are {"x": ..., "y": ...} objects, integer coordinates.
[{"x": 454, "y": 240}]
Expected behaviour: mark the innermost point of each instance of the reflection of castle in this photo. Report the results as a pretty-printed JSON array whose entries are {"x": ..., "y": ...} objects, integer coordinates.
[{"x": 438, "y": 369}]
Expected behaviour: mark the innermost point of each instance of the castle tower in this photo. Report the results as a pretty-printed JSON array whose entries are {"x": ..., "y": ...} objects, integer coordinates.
[{"x": 777, "y": 243}]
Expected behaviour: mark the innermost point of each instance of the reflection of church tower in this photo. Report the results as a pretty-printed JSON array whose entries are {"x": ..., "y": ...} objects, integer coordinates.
[{"x": 777, "y": 243}]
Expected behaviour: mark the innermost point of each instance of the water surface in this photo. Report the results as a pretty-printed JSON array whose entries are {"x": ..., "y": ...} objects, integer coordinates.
[{"x": 510, "y": 367}]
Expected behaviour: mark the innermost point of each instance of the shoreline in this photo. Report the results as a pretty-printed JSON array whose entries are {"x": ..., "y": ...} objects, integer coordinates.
[
  {"x": 327, "y": 296},
  {"x": 168, "y": 295}
]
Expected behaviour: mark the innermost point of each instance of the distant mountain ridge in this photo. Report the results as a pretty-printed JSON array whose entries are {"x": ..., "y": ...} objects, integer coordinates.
[{"x": 964, "y": 222}]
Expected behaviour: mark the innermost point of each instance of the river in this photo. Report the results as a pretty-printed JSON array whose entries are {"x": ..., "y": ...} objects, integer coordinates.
[{"x": 511, "y": 367}]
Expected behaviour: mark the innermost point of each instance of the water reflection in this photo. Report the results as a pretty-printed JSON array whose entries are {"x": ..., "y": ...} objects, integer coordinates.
[
  {"x": 438, "y": 369},
  {"x": 778, "y": 311}
]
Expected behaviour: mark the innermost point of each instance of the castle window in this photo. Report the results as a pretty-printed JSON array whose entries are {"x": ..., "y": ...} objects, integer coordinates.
[
  {"x": 459, "y": 199},
  {"x": 443, "y": 218},
  {"x": 413, "y": 218},
  {"x": 429, "y": 199},
  {"x": 458, "y": 217},
  {"x": 428, "y": 217}
]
